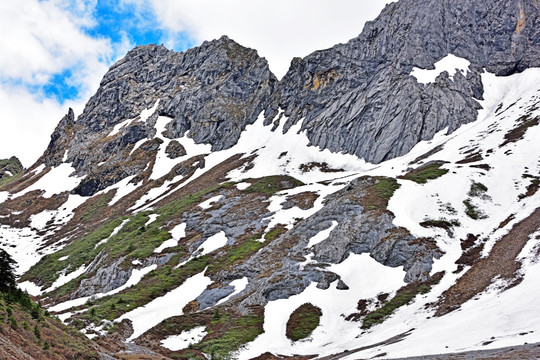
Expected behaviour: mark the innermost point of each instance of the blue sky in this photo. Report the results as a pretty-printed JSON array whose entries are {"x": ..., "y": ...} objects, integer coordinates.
[
  {"x": 116, "y": 22},
  {"x": 55, "y": 52}
]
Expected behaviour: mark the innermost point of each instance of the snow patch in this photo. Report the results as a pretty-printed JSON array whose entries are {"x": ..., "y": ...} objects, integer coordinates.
[
  {"x": 185, "y": 339},
  {"x": 213, "y": 243},
  {"x": 123, "y": 188},
  {"x": 114, "y": 233},
  {"x": 30, "y": 288},
  {"x": 239, "y": 286},
  {"x": 243, "y": 185},
  {"x": 64, "y": 279},
  {"x": 451, "y": 64},
  {"x": 208, "y": 203},
  {"x": 177, "y": 233},
  {"x": 151, "y": 219},
  {"x": 164, "y": 307},
  {"x": 145, "y": 114},
  {"x": 321, "y": 236},
  {"x": 56, "y": 181}
]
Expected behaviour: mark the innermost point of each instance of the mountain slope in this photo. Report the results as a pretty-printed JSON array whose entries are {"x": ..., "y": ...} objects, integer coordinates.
[{"x": 185, "y": 211}]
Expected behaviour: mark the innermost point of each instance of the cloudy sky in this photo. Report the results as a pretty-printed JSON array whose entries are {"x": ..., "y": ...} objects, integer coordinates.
[{"x": 54, "y": 52}]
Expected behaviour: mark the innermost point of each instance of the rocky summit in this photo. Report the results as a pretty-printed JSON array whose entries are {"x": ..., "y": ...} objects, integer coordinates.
[{"x": 381, "y": 200}]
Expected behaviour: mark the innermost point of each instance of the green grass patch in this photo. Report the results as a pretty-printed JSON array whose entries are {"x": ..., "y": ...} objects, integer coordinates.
[
  {"x": 134, "y": 240},
  {"x": 9, "y": 179},
  {"x": 404, "y": 296},
  {"x": 472, "y": 211},
  {"x": 385, "y": 188},
  {"x": 272, "y": 184},
  {"x": 155, "y": 284},
  {"x": 94, "y": 211},
  {"x": 275, "y": 232},
  {"x": 378, "y": 192},
  {"x": 440, "y": 223},
  {"x": 303, "y": 321},
  {"x": 235, "y": 255},
  {"x": 477, "y": 189},
  {"x": 234, "y": 333},
  {"x": 425, "y": 173},
  {"x": 79, "y": 252}
]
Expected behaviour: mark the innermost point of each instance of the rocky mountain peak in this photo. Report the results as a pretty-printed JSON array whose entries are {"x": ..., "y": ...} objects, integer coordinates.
[
  {"x": 213, "y": 91},
  {"x": 364, "y": 88}
]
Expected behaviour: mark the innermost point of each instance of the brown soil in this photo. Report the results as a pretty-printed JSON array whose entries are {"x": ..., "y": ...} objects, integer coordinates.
[
  {"x": 22, "y": 343},
  {"x": 471, "y": 158},
  {"x": 482, "y": 166},
  {"x": 501, "y": 262},
  {"x": 519, "y": 131},
  {"x": 303, "y": 200},
  {"x": 428, "y": 154},
  {"x": 27, "y": 205}
]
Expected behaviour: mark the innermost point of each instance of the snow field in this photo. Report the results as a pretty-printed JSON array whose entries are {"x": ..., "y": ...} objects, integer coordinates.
[
  {"x": 169, "y": 305},
  {"x": 365, "y": 277},
  {"x": 493, "y": 317},
  {"x": 56, "y": 181}
]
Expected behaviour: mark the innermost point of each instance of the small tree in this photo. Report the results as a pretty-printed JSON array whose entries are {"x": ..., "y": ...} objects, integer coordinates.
[
  {"x": 7, "y": 276},
  {"x": 37, "y": 332}
]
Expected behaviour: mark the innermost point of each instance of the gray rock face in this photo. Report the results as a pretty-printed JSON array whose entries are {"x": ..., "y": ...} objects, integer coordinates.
[
  {"x": 212, "y": 91},
  {"x": 358, "y": 231},
  {"x": 359, "y": 97}
]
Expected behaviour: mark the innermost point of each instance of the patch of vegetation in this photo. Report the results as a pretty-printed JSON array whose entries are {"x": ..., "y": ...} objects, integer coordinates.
[
  {"x": 525, "y": 122},
  {"x": 276, "y": 232},
  {"x": 532, "y": 188},
  {"x": 272, "y": 184},
  {"x": 79, "y": 252},
  {"x": 14, "y": 166},
  {"x": 422, "y": 174},
  {"x": 230, "y": 333},
  {"x": 472, "y": 211},
  {"x": 379, "y": 192},
  {"x": 403, "y": 296},
  {"x": 440, "y": 223},
  {"x": 235, "y": 255},
  {"x": 156, "y": 283},
  {"x": 303, "y": 321},
  {"x": 475, "y": 157},
  {"x": 96, "y": 206},
  {"x": 477, "y": 189}
]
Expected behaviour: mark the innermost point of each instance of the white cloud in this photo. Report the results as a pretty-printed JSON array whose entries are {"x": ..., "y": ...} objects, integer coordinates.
[
  {"x": 278, "y": 29},
  {"x": 40, "y": 39}
]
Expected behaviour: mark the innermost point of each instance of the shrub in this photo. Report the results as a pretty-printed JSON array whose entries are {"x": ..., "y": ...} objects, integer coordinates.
[
  {"x": 13, "y": 323},
  {"x": 303, "y": 321},
  {"x": 37, "y": 332}
]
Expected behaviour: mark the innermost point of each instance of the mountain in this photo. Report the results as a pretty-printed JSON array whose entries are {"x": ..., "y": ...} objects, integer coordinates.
[{"x": 381, "y": 200}]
